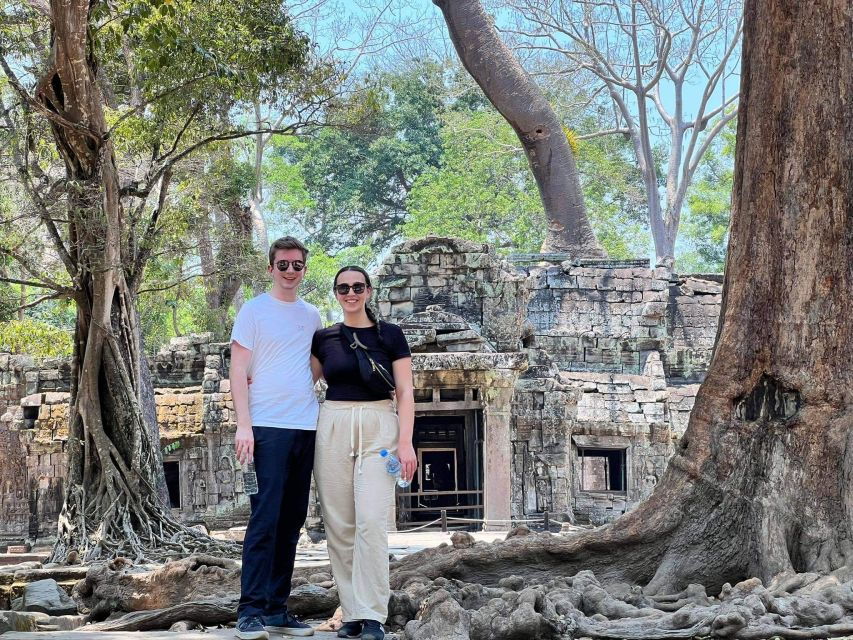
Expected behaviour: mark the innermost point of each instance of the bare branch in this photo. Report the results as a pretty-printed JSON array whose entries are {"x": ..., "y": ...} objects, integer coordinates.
[
  {"x": 601, "y": 134},
  {"x": 633, "y": 48},
  {"x": 34, "y": 271},
  {"x": 26, "y": 283},
  {"x": 59, "y": 295}
]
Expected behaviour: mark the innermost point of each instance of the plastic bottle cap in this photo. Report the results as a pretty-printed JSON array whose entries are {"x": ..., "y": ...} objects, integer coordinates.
[{"x": 383, "y": 453}]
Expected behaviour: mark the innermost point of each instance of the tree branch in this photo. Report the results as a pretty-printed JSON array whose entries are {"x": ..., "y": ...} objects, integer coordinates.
[
  {"x": 29, "y": 267},
  {"x": 53, "y": 296},
  {"x": 140, "y": 107},
  {"x": 601, "y": 134},
  {"x": 28, "y": 283},
  {"x": 147, "y": 243},
  {"x": 38, "y": 106}
]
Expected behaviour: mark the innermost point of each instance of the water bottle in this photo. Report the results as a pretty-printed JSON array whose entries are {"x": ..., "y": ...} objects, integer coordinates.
[
  {"x": 393, "y": 466},
  {"x": 250, "y": 480}
]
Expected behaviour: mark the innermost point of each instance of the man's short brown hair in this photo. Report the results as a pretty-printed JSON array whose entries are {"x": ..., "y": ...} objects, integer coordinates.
[{"x": 287, "y": 242}]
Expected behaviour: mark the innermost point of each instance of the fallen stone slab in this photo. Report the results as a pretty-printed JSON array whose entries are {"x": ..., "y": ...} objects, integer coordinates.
[
  {"x": 48, "y": 597},
  {"x": 20, "y": 566},
  {"x": 313, "y": 600},
  {"x": 59, "y": 573},
  {"x": 17, "y": 621},
  {"x": 7, "y": 572},
  {"x": 61, "y": 623}
]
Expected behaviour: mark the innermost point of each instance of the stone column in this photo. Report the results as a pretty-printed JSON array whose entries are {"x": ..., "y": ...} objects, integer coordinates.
[{"x": 497, "y": 454}]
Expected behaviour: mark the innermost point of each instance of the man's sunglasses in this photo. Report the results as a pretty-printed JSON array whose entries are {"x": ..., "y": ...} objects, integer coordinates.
[
  {"x": 297, "y": 265},
  {"x": 343, "y": 289}
]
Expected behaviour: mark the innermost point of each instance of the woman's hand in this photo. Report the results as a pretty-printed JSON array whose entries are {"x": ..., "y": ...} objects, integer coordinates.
[{"x": 408, "y": 460}]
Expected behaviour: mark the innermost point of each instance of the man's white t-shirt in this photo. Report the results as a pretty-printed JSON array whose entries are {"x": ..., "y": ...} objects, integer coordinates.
[{"x": 279, "y": 336}]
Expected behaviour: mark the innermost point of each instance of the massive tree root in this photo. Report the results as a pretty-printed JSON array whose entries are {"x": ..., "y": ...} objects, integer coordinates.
[
  {"x": 539, "y": 606},
  {"x": 112, "y": 507}
]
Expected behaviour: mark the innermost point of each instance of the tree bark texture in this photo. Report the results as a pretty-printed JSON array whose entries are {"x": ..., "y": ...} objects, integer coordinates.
[
  {"x": 514, "y": 94},
  {"x": 762, "y": 481},
  {"x": 112, "y": 502},
  {"x": 224, "y": 266}
]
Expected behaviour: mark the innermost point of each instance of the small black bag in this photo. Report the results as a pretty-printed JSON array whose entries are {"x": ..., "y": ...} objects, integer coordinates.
[{"x": 376, "y": 377}]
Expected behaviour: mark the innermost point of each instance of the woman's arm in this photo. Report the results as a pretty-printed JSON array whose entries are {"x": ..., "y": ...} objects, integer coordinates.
[
  {"x": 316, "y": 368},
  {"x": 406, "y": 414}
]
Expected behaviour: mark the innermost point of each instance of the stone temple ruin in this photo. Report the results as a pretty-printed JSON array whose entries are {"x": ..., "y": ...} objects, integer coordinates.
[{"x": 540, "y": 387}]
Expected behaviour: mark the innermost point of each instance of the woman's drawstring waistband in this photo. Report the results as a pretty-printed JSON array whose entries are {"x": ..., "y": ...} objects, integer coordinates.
[
  {"x": 356, "y": 419},
  {"x": 352, "y": 434}
]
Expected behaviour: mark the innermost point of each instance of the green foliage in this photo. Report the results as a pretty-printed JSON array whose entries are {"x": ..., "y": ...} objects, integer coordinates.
[
  {"x": 171, "y": 447},
  {"x": 419, "y": 151},
  {"x": 614, "y": 196},
  {"x": 354, "y": 177},
  {"x": 482, "y": 190},
  {"x": 213, "y": 52},
  {"x": 704, "y": 229},
  {"x": 35, "y": 338}
]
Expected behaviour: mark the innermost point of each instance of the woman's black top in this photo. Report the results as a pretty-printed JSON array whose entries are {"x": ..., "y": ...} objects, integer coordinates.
[{"x": 340, "y": 363}]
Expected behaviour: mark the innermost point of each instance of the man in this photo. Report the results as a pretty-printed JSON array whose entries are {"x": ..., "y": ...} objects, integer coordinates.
[{"x": 276, "y": 423}]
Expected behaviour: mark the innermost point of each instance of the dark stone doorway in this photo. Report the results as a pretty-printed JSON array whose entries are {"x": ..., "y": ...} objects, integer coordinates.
[{"x": 449, "y": 447}]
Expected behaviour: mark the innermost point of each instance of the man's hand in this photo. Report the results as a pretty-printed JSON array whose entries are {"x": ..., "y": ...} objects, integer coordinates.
[
  {"x": 244, "y": 443},
  {"x": 408, "y": 460}
]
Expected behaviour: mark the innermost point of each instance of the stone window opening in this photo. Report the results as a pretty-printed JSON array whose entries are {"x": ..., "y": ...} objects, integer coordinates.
[
  {"x": 451, "y": 395},
  {"x": 172, "y": 470},
  {"x": 31, "y": 414},
  {"x": 423, "y": 395},
  {"x": 603, "y": 470}
]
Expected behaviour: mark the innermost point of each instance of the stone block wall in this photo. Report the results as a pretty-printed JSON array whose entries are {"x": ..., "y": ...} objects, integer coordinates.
[
  {"x": 614, "y": 351},
  {"x": 194, "y": 412},
  {"x": 693, "y": 308},
  {"x": 464, "y": 278},
  {"x": 542, "y": 412},
  {"x": 14, "y": 495},
  {"x": 598, "y": 319},
  {"x": 33, "y": 430}
]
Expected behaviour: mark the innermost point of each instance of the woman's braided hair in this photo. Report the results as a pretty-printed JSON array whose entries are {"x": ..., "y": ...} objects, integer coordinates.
[{"x": 371, "y": 314}]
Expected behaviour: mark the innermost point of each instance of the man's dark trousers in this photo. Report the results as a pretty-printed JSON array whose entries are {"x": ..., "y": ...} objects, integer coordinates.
[{"x": 283, "y": 462}]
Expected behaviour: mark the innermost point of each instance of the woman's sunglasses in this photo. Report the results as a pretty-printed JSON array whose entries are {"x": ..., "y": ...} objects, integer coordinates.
[
  {"x": 297, "y": 265},
  {"x": 343, "y": 289}
]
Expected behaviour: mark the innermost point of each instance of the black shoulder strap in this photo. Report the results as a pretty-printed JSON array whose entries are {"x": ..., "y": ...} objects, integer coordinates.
[
  {"x": 356, "y": 345},
  {"x": 366, "y": 364}
]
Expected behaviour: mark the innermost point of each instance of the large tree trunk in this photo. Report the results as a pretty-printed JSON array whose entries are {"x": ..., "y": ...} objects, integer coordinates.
[
  {"x": 225, "y": 268},
  {"x": 519, "y": 100},
  {"x": 112, "y": 503},
  {"x": 761, "y": 481}
]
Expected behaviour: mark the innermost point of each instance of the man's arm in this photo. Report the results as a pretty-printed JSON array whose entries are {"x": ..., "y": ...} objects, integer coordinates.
[{"x": 244, "y": 440}]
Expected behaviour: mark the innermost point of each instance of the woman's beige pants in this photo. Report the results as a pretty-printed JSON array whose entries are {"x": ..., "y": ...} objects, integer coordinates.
[{"x": 356, "y": 495}]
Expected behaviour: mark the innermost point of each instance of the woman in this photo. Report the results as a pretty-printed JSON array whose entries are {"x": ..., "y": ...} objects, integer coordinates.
[{"x": 357, "y": 421}]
